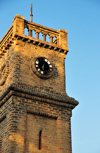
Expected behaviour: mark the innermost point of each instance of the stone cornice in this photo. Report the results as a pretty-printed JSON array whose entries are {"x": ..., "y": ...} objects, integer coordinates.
[
  {"x": 41, "y": 43},
  {"x": 31, "y": 40},
  {"x": 36, "y": 94}
]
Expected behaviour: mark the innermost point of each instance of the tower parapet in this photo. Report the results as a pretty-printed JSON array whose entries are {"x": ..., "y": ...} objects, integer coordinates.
[{"x": 17, "y": 30}]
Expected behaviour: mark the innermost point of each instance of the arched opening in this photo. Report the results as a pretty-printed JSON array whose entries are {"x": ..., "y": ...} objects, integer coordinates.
[
  {"x": 34, "y": 34},
  {"x": 40, "y": 36},
  {"x": 40, "y": 137},
  {"x": 47, "y": 38},
  {"x": 54, "y": 40},
  {"x": 26, "y": 32}
]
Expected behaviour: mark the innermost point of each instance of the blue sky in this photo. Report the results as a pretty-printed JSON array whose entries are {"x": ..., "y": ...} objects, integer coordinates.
[{"x": 82, "y": 21}]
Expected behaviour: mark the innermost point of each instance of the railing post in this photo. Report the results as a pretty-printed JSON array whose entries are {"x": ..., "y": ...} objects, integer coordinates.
[
  {"x": 57, "y": 41},
  {"x": 30, "y": 32},
  {"x": 37, "y": 34},
  {"x": 44, "y": 36},
  {"x": 51, "y": 39}
]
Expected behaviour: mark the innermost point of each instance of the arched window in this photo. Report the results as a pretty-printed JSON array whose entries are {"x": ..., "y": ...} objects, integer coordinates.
[{"x": 40, "y": 137}]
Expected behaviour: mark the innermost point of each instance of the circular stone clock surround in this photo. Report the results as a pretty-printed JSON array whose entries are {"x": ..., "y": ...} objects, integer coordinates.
[{"x": 42, "y": 67}]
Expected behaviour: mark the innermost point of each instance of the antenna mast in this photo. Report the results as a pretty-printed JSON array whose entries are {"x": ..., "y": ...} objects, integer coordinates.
[{"x": 31, "y": 14}]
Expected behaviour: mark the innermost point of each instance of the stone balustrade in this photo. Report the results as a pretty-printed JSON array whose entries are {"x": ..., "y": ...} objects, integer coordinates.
[
  {"x": 44, "y": 30},
  {"x": 18, "y": 28}
]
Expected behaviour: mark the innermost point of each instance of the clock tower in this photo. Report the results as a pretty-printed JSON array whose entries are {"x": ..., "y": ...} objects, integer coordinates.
[{"x": 35, "y": 111}]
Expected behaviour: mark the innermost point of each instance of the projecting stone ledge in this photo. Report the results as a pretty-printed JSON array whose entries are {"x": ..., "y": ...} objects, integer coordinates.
[{"x": 37, "y": 94}]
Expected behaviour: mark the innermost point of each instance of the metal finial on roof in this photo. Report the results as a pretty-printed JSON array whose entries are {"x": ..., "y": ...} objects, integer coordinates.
[{"x": 31, "y": 14}]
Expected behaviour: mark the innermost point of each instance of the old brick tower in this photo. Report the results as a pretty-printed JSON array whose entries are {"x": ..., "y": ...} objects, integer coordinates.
[{"x": 35, "y": 111}]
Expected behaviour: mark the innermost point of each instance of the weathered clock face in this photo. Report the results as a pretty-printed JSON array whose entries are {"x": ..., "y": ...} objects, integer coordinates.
[{"x": 43, "y": 66}]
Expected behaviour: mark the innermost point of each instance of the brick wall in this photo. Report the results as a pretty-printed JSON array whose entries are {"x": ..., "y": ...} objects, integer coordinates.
[{"x": 26, "y": 119}]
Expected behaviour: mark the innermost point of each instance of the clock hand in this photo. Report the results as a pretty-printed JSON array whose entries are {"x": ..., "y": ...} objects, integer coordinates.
[{"x": 43, "y": 67}]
